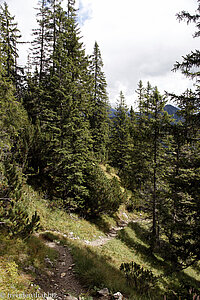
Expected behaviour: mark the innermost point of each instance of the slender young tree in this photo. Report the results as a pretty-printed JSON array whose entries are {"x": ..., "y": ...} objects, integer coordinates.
[
  {"x": 42, "y": 43},
  {"x": 9, "y": 35},
  {"x": 149, "y": 163},
  {"x": 140, "y": 91},
  {"x": 137, "y": 172},
  {"x": 159, "y": 121},
  {"x": 99, "y": 120},
  {"x": 120, "y": 135}
]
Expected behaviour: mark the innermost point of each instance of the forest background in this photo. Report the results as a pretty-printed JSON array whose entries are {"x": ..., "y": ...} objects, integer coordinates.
[{"x": 56, "y": 128}]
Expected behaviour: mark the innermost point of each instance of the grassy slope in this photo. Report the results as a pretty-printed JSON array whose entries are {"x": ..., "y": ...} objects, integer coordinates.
[
  {"x": 100, "y": 265},
  {"x": 15, "y": 256},
  {"x": 96, "y": 266}
]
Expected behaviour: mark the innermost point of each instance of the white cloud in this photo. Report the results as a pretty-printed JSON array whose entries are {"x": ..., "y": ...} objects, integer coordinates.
[
  {"x": 138, "y": 39},
  {"x": 24, "y": 13}
]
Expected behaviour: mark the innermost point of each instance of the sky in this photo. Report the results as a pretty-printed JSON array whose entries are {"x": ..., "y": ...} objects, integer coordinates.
[{"x": 138, "y": 39}]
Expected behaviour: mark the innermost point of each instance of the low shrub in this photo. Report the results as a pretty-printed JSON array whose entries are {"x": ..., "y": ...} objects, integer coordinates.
[
  {"x": 15, "y": 220},
  {"x": 142, "y": 280},
  {"x": 104, "y": 194},
  {"x": 13, "y": 284},
  {"x": 134, "y": 203}
]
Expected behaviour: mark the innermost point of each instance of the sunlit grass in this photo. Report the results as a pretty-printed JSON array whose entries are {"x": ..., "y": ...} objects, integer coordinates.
[
  {"x": 55, "y": 219},
  {"x": 15, "y": 256},
  {"x": 96, "y": 266},
  {"x": 96, "y": 270},
  {"x": 100, "y": 265},
  {"x": 13, "y": 282}
]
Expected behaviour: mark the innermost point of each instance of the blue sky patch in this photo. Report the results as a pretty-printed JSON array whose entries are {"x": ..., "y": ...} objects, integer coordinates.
[{"x": 84, "y": 13}]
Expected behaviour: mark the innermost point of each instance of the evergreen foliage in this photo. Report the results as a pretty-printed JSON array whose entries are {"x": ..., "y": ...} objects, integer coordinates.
[
  {"x": 120, "y": 143},
  {"x": 104, "y": 195},
  {"x": 66, "y": 115},
  {"x": 142, "y": 280},
  {"x": 151, "y": 153},
  {"x": 68, "y": 108},
  {"x": 182, "y": 226},
  {"x": 99, "y": 120},
  {"x": 9, "y": 36},
  {"x": 15, "y": 220},
  {"x": 15, "y": 131},
  {"x": 56, "y": 130},
  {"x": 42, "y": 43}
]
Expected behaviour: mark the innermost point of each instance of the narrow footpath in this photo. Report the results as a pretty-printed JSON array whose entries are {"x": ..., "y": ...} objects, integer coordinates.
[{"x": 60, "y": 278}]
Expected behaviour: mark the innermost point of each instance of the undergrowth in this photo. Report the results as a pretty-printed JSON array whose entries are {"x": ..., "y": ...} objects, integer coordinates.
[
  {"x": 97, "y": 267},
  {"x": 12, "y": 283},
  {"x": 100, "y": 266},
  {"x": 18, "y": 261},
  {"x": 55, "y": 219}
]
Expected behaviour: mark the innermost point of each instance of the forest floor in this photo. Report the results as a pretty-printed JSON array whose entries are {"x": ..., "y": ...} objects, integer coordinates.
[{"x": 84, "y": 266}]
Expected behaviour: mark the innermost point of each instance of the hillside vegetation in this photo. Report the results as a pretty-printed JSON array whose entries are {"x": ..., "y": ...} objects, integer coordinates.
[
  {"x": 95, "y": 266},
  {"x": 114, "y": 199}
]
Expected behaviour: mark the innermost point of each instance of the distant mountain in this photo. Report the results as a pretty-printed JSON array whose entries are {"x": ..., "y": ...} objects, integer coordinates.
[
  {"x": 172, "y": 110},
  {"x": 112, "y": 112}
]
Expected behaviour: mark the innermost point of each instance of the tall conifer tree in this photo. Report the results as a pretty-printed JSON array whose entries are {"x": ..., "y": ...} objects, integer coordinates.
[
  {"x": 149, "y": 163},
  {"x": 99, "y": 119},
  {"x": 64, "y": 103},
  {"x": 42, "y": 43},
  {"x": 120, "y": 135},
  {"x": 182, "y": 223},
  {"x": 9, "y": 34}
]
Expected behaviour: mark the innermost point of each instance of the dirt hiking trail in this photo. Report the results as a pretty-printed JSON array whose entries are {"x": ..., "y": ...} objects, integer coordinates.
[{"x": 60, "y": 277}]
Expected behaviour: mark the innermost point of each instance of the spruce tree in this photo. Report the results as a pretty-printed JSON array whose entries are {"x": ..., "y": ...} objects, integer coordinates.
[
  {"x": 42, "y": 43},
  {"x": 182, "y": 226},
  {"x": 15, "y": 137},
  {"x": 140, "y": 91},
  {"x": 99, "y": 120},
  {"x": 61, "y": 111},
  {"x": 9, "y": 35},
  {"x": 140, "y": 153},
  {"x": 120, "y": 135},
  {"x": 150, "y": 146},
  {"x": 159, "y": 122}
]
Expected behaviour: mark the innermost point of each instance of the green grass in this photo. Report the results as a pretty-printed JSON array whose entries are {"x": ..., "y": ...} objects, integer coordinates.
[
  {"x": 95, "y": 270},
  {"x": 24, "y": 253},
  {"x": 12, "y": 282},
  {"x": 97, "y": 267},
  {"x": 100, "y": 266},
  {"x": 55, "y": 219},
  {"x": 15, "y": 256}
]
